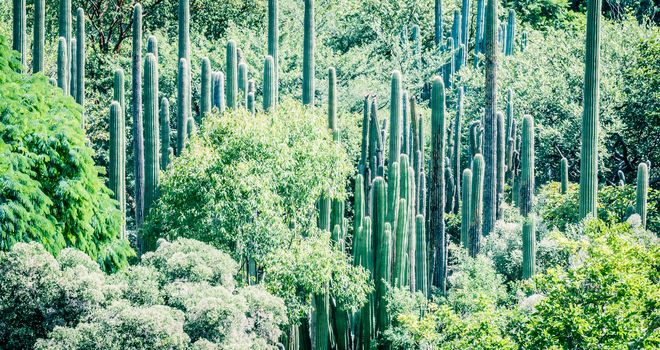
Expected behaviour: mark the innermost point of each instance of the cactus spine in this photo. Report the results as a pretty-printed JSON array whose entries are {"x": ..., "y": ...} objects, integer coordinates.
[
  {"x": 164, "y": 133},
  {"x": 501, "y": 137},
  {"x": 308, "y": 54},
  {"x": 590, "y": 124},
  {"x": 396, "y": 121},
  {"x": 19, "y": 30},
  {"x": 489, "y": 124},
  {"x": 79, "y": 92},
  {"x": 564, "y": 175},
  {"x": 205, "y": 103},
  {"x": 511, "y": 33},
  {"x": 151, "y": 132},
  {"x": 183, "y": 89},
  {"x": 642, "y": 191},
  {"x": 136, "y": 108},
  {"x": 39, "y": 36},
  {"x": 466, "y": 208},
  {"x": 437, "y": 185},
  {"x": 273, "y": 42},
  {"x": 529, "y": 247},
  {"x": 116, "y": 167},
  {"x": 270, "y": 94},
  {"x": 64, "y": 31},
  {"x": 527, "y": 166},
  {"x": 476, "y": 205},
  {"x": 456, "y": 156},
  {"x": 62, "y": 71},
  {"x": 232, "y": 75},
  {"x": 243, "y": 82},
  {"x": 219, "y": 91},
  {"x": 438, "y": 22}
]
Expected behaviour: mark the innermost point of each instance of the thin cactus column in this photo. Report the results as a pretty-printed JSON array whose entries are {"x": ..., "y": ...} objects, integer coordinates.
[
  {"x": 437, "y": 185},
  {"x": 401, "y": 247},
  {"x": 243, "y": 82},
  {"x": 118, "y": 89},
  {"x": 489, "y": 124},
  {"x": 308, "y": 54},
  {"x": 322, "y": 321},
  {"x": 116, "y": 166},
  {"x": 363, "y": 166},
  {"x": 136, "y": 105},
  {"x": 184, "y": 29},
  {"x": 74, "y": 69},
  {"x": 393, "y": 192},
  {"x": 19, "y": 42},
  {"x": 501, "y": 137},
  {"x": 449, "y": 67},
  {"x": 476, "y": 205},
  {"x": 383, "y": 277},
  {"x": 232, "y": 75},
  {"x": 205, "y": 103},
  {"x": 183, "y": 87},
  {"x": 191, "y": 127},
  {"x": 332, "y": 102},
  {"x": 396, "y": 121},
  {"x": 456, "y": 156},
  {"x": 465, "y": 27},
  {"x": 375, "y": 140},
  {"x": 590, "y": 123},
  {"x": 219, "y": 91},
  {"x": 62, "y": 71},
  {"x": 529, "y": 247},
  {"x": 479, "y": 33},
  {"x": 270, "y": 77},
  {"x": 64, "y": 31},
  {"x": 510, "y": 132},
  {"x": 527, "y": 166},
  {"x": 438, "y": 22},
  {"x": 151, "y": 132},
  {"x": 152, "y": 46},
  {"x": 511, "y": 33},
  {"x": 642, "y": 191},
  {"x": 39, "y": 36},
  {"x": 417, "y": 46},
  {"x": 421, "y": 256},
  {"x": 466, "y": 209},
  {"x": 273, "y": 42},
  {"x": 456, "y": 34},
  {"x": 80, "y": 57},
  {"x": 564, "y": 175},
  {"x": 164, "y": 134}
]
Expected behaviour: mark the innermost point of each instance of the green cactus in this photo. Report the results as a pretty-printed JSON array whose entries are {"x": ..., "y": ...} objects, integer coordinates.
[
  {"x": 501, "y": 137},
  {"x": 219, "y": 91},
  {"x": 184, "y": 30},
  {"x": 476, "y": 205},
  {"x": 411, "y": 267},
  {"x": 405, "y": 124},
  {"x": 64, "y": 31},
  {"x": 375, "y": 140},
  {"x": 270, "y": 93},
  {"x": 474, "y": 138},
  {"x": 523, "y": 42},
  {"x": 183, "y": 88},
  {"x": 510, "y": 133},
  {"x": 456, "y": 34},
  {"x": 527, "y": 166},
  {"x": 642, "y": 191},
  {"x": 383, "y": 277},
  {"x": 39, "y": 36},
  {"x": 117, "y": 164},
  {"x": 438, "y": 22},
  {"x": 437, "y": 184},
  {"x": 136, "y": 111},
  {"x": 590, "y": 123},
  {"x": 450, "y": 186},
  {"x": 466, "y": 208},
  {"x": 459, "y": 59},
  {"x": 322, "y": 321},
  {"x": 396, "y": 121},
  {"x": 118, "y": 89},
  {"x": 529, "y": 247},
  {"x": 622, "y": 178},
  {"x": 62, "y": 71},
  {"x": 164, "y": 134},
  {"x": 332, "y": 102},
  {"x": 324, "y": 207},
  {"x": 152, "y": 46},
  {"x": 232, "y": 75},
  {"x": 479, "y": 46},
  {"x": 465, "y": 25},
  {"x": 273, "y": 41},
  {"x": 401, "y": 245},
  {"x": 511, "y": 33},
  {"x": 205, "y": 103},
  {"x": 308, "y": 54},
  {"x": 490, "y": 120},
  {"x": 393, "y": 192},
  {"x": 456, "y": 155},
  {"x": 151, "y": 133},
  {"x": 79, "y": 92},
  {"x": 358, "y": 221},
  {"x": 363, "y": 165},
  {"x": 515, "y": 186},
  {"x": 421, "y": 265},
  {"x": 417, "y": 46},
  {"x": 449, "y": 67},
  {"x": 250, "y": 103},
  {"x": 243, "y": 82},
  {"x": 73, "y": 72},
  {"x": 19, "y": 25},
  {"x": 563, "y": 165},
  {"x": 191, "y": 127}
]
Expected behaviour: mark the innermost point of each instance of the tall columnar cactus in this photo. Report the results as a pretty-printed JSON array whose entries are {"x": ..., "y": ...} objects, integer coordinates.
[
  {"x": 437, "y": 185},
  {"x": 405, "y": 121},
  {"x": 183, "y": 87},
  {"x": 515, "y": 185},
  {"x": 590, "y": 123},
  {"x": 401, "y": 230},
  {"x": 450, "y": 185},
  {"x": 270, "y": 91},
  {"x": 164, "y": 124},
  {"x": 510, "y": 132},
  {"x": 205, "y": 103},
  {"x": 396, "y": 121},
  {"x": 411, "y": 269},
  {"x": 118, "y": 89},
  {"x": 438, "y": 22},
  {"x": 421, "y": 256},
  {"x": 376, "y": 146},
  {"x": 511, "y": 33},
  {"x": 332, "y": 102},
  {"x": 308, "y": 54},
  {"x": 383, "y": 277},
  {"x": 501, "y": 137},
  {"x": 456, "y": 156},
  {"x": 476, "y": 205},
  {"x": 529, "y": 247},
  {"x": 474, "y": 138},
  {"x": 64, "y": 31},
  {"x": 73, "y": 72},
  {"x": 151, "y": 132},
  {"x": 136, "y": 111},
  {"x": 359, "y": 214},
  {"x": 456, "y": 29},
  {"x": 19, "y": 25},
  {"x": 322, "y": 321},
  {"x": 191, "y": 127},
  {"x": 417, "y": 45},
  {"x": 479, "y": 33},
  {"x": 466, "y": 209},
  {"x": 363, "y": 165},
  {"x": 219, "y": 91},
  {"x": 251, "y": 103},
  {"x": 459, "y": 58},
  {"x": 117, "y": 164},
  {"x": 184, "y": 29},
  {"x": 527, "y": 166},
  {"x": 642, "y": 191},
  {"x": 449, "y": 67},
  {"x": 243, "y": 82},
  {"x": 62, "y": 71},
  {"x": 80, "y": 57},
  {"x": 273, "y": 42},
  {"x": 564, "y": 175},
  {"x": 489, "y": 124},
  {"x": 39, "y": 36},
  {"x": 232, "y": 75},
  {"x": 152, "y": 46},
  {"x": 393, "y": 192},
  {"x": 465, "y": 26}
]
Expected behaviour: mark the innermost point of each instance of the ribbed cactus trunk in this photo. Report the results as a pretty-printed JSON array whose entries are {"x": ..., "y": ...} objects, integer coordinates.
[
  {"x": 437, "y": 185},
  {"x": 476, "y": 205},
  {"x": 273, "y": 42},
  {"x": 243, "y": 82},
  {"x": 421, "y": 256},
  {"x": 308, "y": 54},
  {"x": 19, "y": 24},
  {"x": 232, "y": 75},
  {"x": 74, "y": 69},
  {"x": 270, "y": 79},
  {"x": 489, "y": 124},
  {"x": 64, "y": 31},
  {"x": 396, "y": 118},
  {"x": 529, "y": 247},
  {"x": 332, "y": 102},
  {"x": 510, "y": 133},
  {"x": 117, "y": 164},
  {"x": 383, "y": 278},
  {"x": 590, "y": 123},
  {"x": 401, "y": 247},
  {"x": 151, "y": 134},
  {"x": 62, "y": 71},
  {"x": 564, "y": 175},
  {"x": 449, "y": 67},
  {"x": 136, "y": 109},
  {"x": 118, "y": 89},
  {"x": 321, "y": 321},
  {"x": 152, "y": 46},
  {"x": 39, "y": 38},
  {"x": 164, "y": 124},
  {"x": 405, "y": 124},
  {"x": 501, "y": 166},
  {"x": 79, "y": 92},
  {"x": 465, "y": 27},
  {"x": 466, "y": 209},
  {"x": 219, "y": 91},
  {"x": 183, "y": 89},
  {"x": 456, "y": 34},
  {"x": 511, "y": 33},
  {"x": 438, "y": 35},
  {"x": 376, "y": 146},
  {"x": 191, "y": 127},
  {"x": 456, "y": 156},
  {"x": 527, "y": 166},
  {"x": 393, "y": 192},
  {"x": 479, "y": 33},
  {"x": 205, "y": 102},
  {"x": 184, "y": 47},
  {"x": 363, "y": 165},
  {"x": 642, "y": 191}
]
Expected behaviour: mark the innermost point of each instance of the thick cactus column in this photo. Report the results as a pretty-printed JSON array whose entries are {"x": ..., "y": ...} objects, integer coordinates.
[
  {"x": 396, "y": 119},
  {"x": 273, "y": 42},
  {"x": 62, "y": 71},
  {"x": 270, "y": 94},
  {"x": 564, "y": 175},
  {"x": 466, "y": 209},
  {"x": 465, "y": 26},
  {"x": 501, "y": 137},
  {"x": 80, "y": 57},
  {"x": 437, "y": 185},
  {"x": 118, "y": 89},
  {"x": 642, "y": 191},
  {"x": 219, "y": 91},
  {"x": 184, "y": 29},
  {"x": 308, "y": 54},
  {"x": 19, "y": 25},
  {"x": 456, "y": 34},
  {"x": 383, "y": 277},
  {"x": 64, "y": 31},
  {"x": 39, "y": 36},
  {"x": 243, "y": 82},
  {"x": 527, "y": 166},
  {"x": 117, "y": 164},
  {"x": 164, "y": 134},
  {"x": 322, "y": 321},
  {"x": 151, "y": 133},
  {"x": 152, "y": 46},
  {"x": 183, "y": 88},
  {"x": 232, "y": 75},
  {"x": 511, "y": 33},
  {"x": 456, "y": 156},
  {"x": 476, "y": 205},
  {"x": 529, "y": 247},
  {"x": 590, "y": 123},
  {"x": 136, "y": 109},
  {"x": 479, "y": 33},
  {"x": 490, "y": 120},
  {"x": 449, "y": 68},
  {"x": 205, "y": 103},
  {"x": 438, "y": 22}
]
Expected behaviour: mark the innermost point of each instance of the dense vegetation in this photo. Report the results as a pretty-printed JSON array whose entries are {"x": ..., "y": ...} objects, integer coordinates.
[{"x": 377, "y": 174}]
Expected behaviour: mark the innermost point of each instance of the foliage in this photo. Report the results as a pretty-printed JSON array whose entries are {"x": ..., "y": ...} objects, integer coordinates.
[{"x": 50, "y": 190}]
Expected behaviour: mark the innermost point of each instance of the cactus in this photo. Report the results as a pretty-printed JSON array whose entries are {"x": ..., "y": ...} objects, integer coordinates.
[
  {"x": 437, "y": 185},
  {"x": 383, "y": 277},
  {"x": 515, "y": 186},
  {"x": 73, "y": 72},
  {"x": 590, "y": 123},
  {"x": 332, "y": 103},
  {"x": 164, "y": 133},
  {"x": 117, "y": 165},
  {"x": 232, "y": 75},
  {"x": 465, "y": 28},
  {"x": 511, "y": 33},
  {"x": 152, "y": 46},
  {"x": 510, "y": 133},
  {"x": 417, "y": 46},
  {"x": 393, "y": 192},
  {"x": 363, "y": 165},
  {"x": 39, "y": 39},
  {"x": 527, "y": 166},
  {"x": 136, "y": 109},
  {"x": 622, "y": 178},
  {"x": 359, "y": 213},
  {"x": 64, "y": 31},
  {"x": 501, "y": 137},
  {"x": 219, "y": 91},
  {"x": 151, "y": 132},
  {"x": 376, "y": 147},
  {"x": 270, "y": 93},
  {"x": 456, "y": 34},
  {"x": 563, "y": 165},
  {"x": 405, "y": 127},
  {"x": 308, "y": 54},
  {"x": 395, "y": 117},
  {"x": 529, "y": 247},
  {"x": 490, "y": 120},
  {"x": 523, "y": 42},
  {"x": 459, "y": 58},
  {"x": 62, "y": 71},
  {"x": 411, "y": 267},
  {"x": 450, "y": 186},
  {"x": 79, "y": 92},
  {"x": 19, "y": 30},
  {"x": 642, "y": 191},
  {"x": 476, "y": 205},
  {"x": 322, "y": 321},
  {"x": 250, "y": 103},
  {"x": 438, "y": 22},
  {"x": 456, "y": 155},
  {"x": 401, "y": 245},
  {"x": 243, "y": 82},
  {"x": 466, "y": 208},
  {"x": 184, "y": 30},
  {"x": 183, "y": 89},
  {"x": 273, "y": 39},
  {"x": 479, "y": 33},
  {"x": 205, "y": 103},
  {"x": 118, "y": 89},
  {"x": 449, "y": 67},
  {"x": 474, "y": 138},
  {"x": 191, "y": 127},
  {"x": 421, "y": 265}
]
